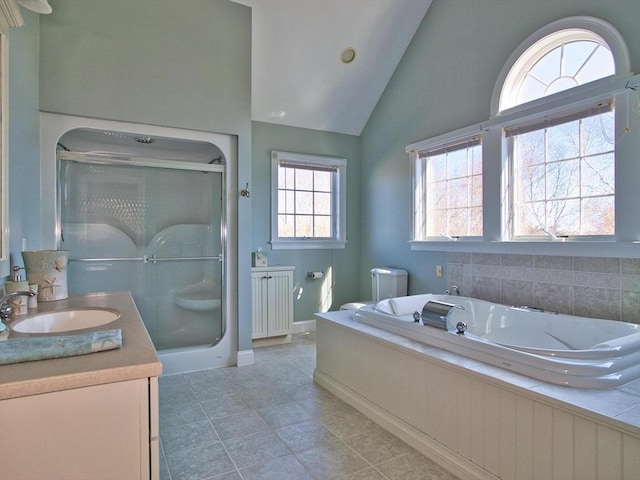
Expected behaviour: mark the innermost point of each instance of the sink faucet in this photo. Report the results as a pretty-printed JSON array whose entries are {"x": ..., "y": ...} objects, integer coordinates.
[{"x": 5, "y": 308}]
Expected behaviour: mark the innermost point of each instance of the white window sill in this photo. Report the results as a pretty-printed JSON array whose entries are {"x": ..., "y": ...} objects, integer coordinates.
[
  {"x": 307, "y": 244},
  {"x": 557, "y": 248}
]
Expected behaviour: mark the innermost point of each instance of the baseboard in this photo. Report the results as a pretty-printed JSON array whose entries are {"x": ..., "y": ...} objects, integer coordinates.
[
  {"x": 245, "y": 357},
  {"x": 448, "y": 459},
  {"x": 304, "y": 326}
]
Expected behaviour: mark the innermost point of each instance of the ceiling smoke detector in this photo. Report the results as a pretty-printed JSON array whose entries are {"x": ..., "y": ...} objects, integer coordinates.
[{"x": 348, "y": 55}]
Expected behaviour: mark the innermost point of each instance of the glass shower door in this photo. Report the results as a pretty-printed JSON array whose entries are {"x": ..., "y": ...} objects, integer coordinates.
[{"x": 156, "y": 232}]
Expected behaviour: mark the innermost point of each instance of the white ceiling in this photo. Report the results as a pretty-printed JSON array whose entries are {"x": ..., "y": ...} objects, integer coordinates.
[{"x": 298, "y": 78}]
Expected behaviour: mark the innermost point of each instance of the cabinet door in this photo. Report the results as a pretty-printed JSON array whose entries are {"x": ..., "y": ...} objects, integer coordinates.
[
  {"x": 259, "y": 289},
  {"x": 98, "y": 432},
  {"x": 280, "y": 309}
]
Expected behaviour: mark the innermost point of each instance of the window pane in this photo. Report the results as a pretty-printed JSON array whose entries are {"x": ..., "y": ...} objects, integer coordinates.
[
  {"x": 531, "y": 89},
  {"x": 437, "y": 224},
  {"x": 286, "y": 177},
  {"x": 304, "y": 179},
  {"x": 563, "y": 217},
  {"x": 600, "y": 65},
  {"x": 547, "y": 69},
  {"x": 457, "y": 164},
  {"x": 598, "y": 216},
  {"x": 322, "y": 203},
  {"x": 476, "y": 160},
  {"x": 437, "y": 196},
  {"x": 476, "y": 191},
  {"x": 285, "y": 201},
  {"x": 531, "y": 183},
  {"x": 563, "y": 179},
  {"x": 475, "y": 221},
  {"x": 304, "y": 226},
  {"x": 530, "y": 219},
  {"x": 322, "y": 227},
  {"x": 322, "y": 181},
  {"x": 437, "y": 168},
  {"x": 575, "y": 56},
  {"x": 597, "y": 134},
  {"x": 286, "y": 225},
  {"x": 459, "y": 193},
  {"x": 530, "y": 148},
  {"x": 598, "y": 175},
  {"x": 304, "y": 202},
  {"x": 458, "y": 222},
  {"x": 563, "y": 141}
]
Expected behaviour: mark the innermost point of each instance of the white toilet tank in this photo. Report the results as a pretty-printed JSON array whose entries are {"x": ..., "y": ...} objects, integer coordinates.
[
  {"x": 388, "y": 283},
  {"x": 385, "y": 283}
]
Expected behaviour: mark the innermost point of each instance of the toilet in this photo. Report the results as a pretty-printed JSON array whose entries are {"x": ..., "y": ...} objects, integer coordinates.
[{"x": 385, "y": 283}]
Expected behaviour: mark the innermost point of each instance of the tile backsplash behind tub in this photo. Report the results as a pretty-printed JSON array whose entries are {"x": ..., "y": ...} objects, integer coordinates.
[{"x": 584, "y": 286}]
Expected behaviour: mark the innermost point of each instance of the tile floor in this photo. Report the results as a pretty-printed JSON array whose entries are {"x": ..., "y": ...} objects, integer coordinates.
[{"x": 269, "y": 421}]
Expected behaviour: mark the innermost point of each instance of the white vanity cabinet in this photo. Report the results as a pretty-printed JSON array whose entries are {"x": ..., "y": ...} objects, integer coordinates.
[
  {"x": 107, "y": 431},
  {"x": 272, "y": 290},
  {"x": 84, "y": 417}
]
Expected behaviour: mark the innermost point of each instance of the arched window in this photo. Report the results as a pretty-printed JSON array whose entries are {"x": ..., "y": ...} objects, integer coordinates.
[
  {"x": 563, "y": 162},
  {"x": 558, "y": 62}
]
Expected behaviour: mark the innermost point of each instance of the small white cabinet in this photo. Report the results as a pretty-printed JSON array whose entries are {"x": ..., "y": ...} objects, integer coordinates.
[{"x": 272, "y": 289}]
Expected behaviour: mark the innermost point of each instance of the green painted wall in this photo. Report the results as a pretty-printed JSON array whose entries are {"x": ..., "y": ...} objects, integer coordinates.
[
  {"x": 445, "y": 82},
  {"x": 184, "y": 64},
  {"x": 341, "y": 287},
  {"x": 24, "y": 152}
]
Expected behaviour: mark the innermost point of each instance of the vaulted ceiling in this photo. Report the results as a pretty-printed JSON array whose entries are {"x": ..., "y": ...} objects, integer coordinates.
[{"x": 298, "y": 75}]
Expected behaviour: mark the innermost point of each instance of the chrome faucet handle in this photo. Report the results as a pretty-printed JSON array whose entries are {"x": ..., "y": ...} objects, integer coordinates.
[
  {"x": 5, "y": 311},
  {"x": 5, "y": 308}
]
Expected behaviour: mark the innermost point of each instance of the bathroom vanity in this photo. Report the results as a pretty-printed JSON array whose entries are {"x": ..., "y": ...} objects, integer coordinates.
[{"x": 88, "y": 416}]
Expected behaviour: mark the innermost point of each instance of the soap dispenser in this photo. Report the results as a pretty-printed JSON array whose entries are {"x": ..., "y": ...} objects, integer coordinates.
[{"x": 20, "y": 303}]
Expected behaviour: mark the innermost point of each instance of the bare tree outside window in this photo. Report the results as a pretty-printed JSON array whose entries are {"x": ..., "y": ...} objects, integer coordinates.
[{"x": 564, "y": 178}]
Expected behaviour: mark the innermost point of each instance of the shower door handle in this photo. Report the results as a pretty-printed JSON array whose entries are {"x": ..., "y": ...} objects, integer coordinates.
[
  {"x": 154, "y": 259},
  {"x": 146, "y": 259}
]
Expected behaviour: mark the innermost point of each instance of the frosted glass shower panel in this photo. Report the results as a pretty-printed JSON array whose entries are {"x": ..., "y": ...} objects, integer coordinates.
[{"x": 156, "y": 232}]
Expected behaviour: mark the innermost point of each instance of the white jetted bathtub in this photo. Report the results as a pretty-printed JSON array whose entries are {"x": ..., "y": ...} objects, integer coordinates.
[{"x": 556, "y": 348}]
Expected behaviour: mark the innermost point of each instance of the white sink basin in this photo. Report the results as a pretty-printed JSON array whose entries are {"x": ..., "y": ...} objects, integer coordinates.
[{"x": 66, "y": 320}]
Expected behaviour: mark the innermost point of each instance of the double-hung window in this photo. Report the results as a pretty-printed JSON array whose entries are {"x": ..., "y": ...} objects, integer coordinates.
[
  {"x": 563, "y": 175},
  {"x": 308, "y": 201},
  {"x": 448, "y": 190}
]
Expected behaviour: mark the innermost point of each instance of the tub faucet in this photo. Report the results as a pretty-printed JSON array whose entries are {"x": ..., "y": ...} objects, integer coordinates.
[
  {"x": 454, "y": 290},
  {"x": 5, "y": 308}
]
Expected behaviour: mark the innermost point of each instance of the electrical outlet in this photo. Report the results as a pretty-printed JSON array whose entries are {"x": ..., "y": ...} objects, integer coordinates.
[{"x": 438, "y": 270}]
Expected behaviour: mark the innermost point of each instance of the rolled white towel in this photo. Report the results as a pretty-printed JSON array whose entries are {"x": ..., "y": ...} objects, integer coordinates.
[{"x": 410, "y": 304}]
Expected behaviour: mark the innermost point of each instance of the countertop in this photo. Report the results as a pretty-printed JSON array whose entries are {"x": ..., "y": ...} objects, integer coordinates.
[{"x": 136, "y": 359}]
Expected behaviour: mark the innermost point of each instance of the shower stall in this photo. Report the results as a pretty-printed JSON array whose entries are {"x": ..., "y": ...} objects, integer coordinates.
[{"x": 146, "y": 213}]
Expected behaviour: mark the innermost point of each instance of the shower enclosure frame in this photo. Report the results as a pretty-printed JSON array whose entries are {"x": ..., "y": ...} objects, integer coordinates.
[{"x": 54, "y": 126}]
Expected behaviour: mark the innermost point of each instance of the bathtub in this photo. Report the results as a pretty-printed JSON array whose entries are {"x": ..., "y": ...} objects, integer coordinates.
[{"x": 555, "y": 348}]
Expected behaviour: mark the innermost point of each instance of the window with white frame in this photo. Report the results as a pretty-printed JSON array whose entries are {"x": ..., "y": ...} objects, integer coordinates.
[
  {"x": 558, "y": 148},
  {"x": 562, "y": 166},
  {"x": 308, "y": 201},
  {"x": 563, "y": 174},
  {"x": 448, "y": 190}
]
